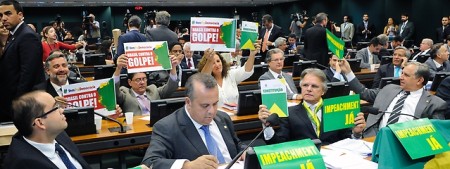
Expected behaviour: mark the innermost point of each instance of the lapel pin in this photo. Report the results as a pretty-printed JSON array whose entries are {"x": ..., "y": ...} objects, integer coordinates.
[{"x": 225, "y": 127}]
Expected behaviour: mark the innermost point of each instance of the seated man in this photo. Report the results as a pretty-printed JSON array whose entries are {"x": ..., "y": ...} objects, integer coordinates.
[
  {"x": 41, "y": 141},
  {"x": 425, "y": 47},
  {"x": 275, "y": 59},
  {"x": 137, "y": 98},
  {"x": 438, "y": 62},
  {"x": 190, "y": 60},
  {"x": 280, "y": 43},
  {"x": 394, "y": 69},
  {"x": 196, "y": 135},
  {"x": 408, "y": 98},
  {"x": 367, "y": 55},
  {"x": 292, "y": 42},
  {"x": 304, "y": 119},
  {"x": 443, "y": 91},
  {"x": 397, "y": 41},
  {"x": 334, "y": 73}
]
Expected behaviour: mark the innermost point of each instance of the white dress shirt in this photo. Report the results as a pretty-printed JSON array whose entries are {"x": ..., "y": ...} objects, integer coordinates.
[
  {"x": 409, "y": 107},
  {"x": 57, "y": 88}
]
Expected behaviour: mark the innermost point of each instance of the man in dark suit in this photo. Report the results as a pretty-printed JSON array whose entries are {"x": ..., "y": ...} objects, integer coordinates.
[
  {"x": 21, "y": 62},
  {"x": 316, "y": 47},
  {"x": 190, "y": 60},
  {"x": 443, "y": 91},
  {"x": 268, "y": 34},
  {"x": 334, "y": 73},
  {"x": 397, "y": 41},
  {"x": 161, "y": 32},
  {"x": 406, "y": 30},
  {"x": 366, "y": 30},
  {"x": 133, "y": 35},
  {"x": 408, "y": 98},
  {"x": 394, "y": 69},
  {"x": 424, "y": 51},
  {"x": 438, "y": 62},
  {"x": 41, "y": 141},
  {"x": 196, "y": 135},
  {"x": 440, "y": 31},
  {"x": 304, "y": 119}
]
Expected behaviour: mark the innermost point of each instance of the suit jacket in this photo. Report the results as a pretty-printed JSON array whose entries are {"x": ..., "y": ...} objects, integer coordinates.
[
  {"x": 408, "y": 31},
  {"x": 440, "y": 32},
  {"x": 21, "y": 154},
  {"x": 362, "y": 36},
  {"x": 364, "y": 56},
  {"x": 434, "y": 69},
  {"x": 316, "y": 47},
  {"x": 429, "y": 106},
  {"x": 443, "y": 91},
  {"x": 194, "y": 58},
  {"x": 127, "y": 99},
  {"x": 161, "y": 33},
  {"x": 289, "y": 81},
  {"x": 47, "y": 86},
  {"x": 347, "y": 31},
  {"x": 175, "y": 137},
  {"x": 386, "y": 70},
  {"x": 298, "y": 126},
  {"x": 330, "y": 75},
  {"x": 274, "y": 34},
  {"x": 416, "y": 53},
  {"x": 131, "y": 36},
  {"x": 20, "y": 68}
]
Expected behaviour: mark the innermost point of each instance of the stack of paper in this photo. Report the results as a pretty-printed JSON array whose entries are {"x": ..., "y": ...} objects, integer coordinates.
[
  {"x": 230, "y": 106},
  {"x": 348, "y": 154}
]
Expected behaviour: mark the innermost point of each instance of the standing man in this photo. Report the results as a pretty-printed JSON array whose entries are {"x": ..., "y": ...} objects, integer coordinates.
[
  {"x": 440, "y": 31},
  {"x": 316, "y": 47},
  {"x": 297, "y": 26},
  {"x": 394, "y": 69},
  {"x": 161, "y": 32},
  {"x": 365, "y": 30},
  {"x": 347, "y": 31},
  {"x": 133, "y": 35},
  {"x": 94, "y": 27},
  {"x": 268, "y": 34},
  {"x": 41, "y": 141},
  {"x": 406, "y": 30},
  {"x": 21, "y": 62}
]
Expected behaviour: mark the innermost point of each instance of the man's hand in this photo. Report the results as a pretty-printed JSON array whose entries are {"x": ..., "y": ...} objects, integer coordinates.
[
  {"x": 122, "y": 61},
  {"x": 345, "y": 66},
  {"x": 263, "y": 113},
  {"x": 118, "y": 113},
  {"x": 202, "y": 162},
  {"x": 360, "y": 123},
  {"x": 338, "y": 68},
  {"x": 209, "y": 54}
]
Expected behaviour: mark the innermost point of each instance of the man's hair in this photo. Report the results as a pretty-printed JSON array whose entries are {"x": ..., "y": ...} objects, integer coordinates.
[
  {"x": 207, "y": 80},
  {"x": 173, "y": 44},
  {"x": 267, "y": 18},
  {"x": 407, "y": 53},
  {"x": 375, "y": 41},
  {"x": 383, "y": 39},
  {"x": 51, "y": 57},
  {"x": 162, "y": 18},
  {"x": 422, "y": 70},
  {"x": 279, "y": 41},
  {"x": 318, "y": 73},
  {"x": 16, "y": 5},
  {"x": 405, "y": 14},
  {"x": 225, "y": 65},
  {"x": 428, "y": 41},
  {"x": 184, "y": 30},
  {"x": 435, "y": 50},
  {"x": 134, "y": 21},
  {"x": 26, "y": 108},
  {"x": 398, "y": 39},
  {"x": 292, "y": 36},
  {"x": 320, "y": 17},
  {"x": 271, "y": 52},
  {"x": 187, "y": 44}
]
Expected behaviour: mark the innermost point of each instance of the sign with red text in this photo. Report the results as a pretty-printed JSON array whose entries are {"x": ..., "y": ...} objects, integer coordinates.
[
  {"x": 99, "y": 93},
  {"x": 147, "y": 56},
  {"x": 216, "y": 33}
]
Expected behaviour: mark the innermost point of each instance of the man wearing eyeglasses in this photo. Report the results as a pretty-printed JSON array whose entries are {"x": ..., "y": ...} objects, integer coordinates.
[
  {"x": 41, "y": 141},
  {"x": 137, "y": 98}
]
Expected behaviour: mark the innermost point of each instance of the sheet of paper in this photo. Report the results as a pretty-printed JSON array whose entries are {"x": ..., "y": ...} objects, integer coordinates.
[
  {"x": 237, "y": 165},
  {"x": 146, "y": 118}
]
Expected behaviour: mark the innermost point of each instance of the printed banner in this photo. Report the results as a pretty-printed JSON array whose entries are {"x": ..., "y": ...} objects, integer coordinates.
[
  {"x": 335, "y": 45},
  {"x": 147, "y": 56},
  {"x": 249, "y": 35},
  {"x": 216, "y": 33},
  {"x": 340, "y": 112},
  {"x": 421, "y": 133},
  {"x": 99, "y": 93},
  {"x": 300, "y": 154},
  {"x": 273, "y": 93}
]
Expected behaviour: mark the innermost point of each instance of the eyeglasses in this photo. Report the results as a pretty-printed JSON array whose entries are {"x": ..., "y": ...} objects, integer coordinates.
[
  {"x": 139, "y": 80},
  {"x": 57, "y": 106}
]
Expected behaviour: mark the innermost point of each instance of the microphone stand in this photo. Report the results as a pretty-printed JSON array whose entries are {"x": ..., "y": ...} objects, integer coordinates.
[{"x": 242, "y": 152}]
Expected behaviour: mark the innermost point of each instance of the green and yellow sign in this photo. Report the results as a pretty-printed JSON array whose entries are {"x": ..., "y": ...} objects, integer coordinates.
[
  {"x": 273, "y": 94},
  {"x": 419, "y": 132},
  {"x": 340, "y": 112},
  {"x": 300, "y": 154},
  {"x": 335, "y": 45},
  {"x": 249, "y": 34}
]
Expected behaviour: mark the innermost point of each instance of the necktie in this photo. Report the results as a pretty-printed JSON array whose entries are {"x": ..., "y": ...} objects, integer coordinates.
[
  {"x": 212, "y": 145},
  {"x": 266, "y": 39},
  {"x": 393, "y": 118},
  {"x": 312, "y": 114},
  {"x": 283, "y": 80},
  {"x": 440, "y": 68},
  {"x": 145, "y": 104},
  {"x": 415, "y": 57},
  {"x": 403, "y": 26},
  {"x": 64, "y": 157},
  {"x": 397, "y": 71},
  {"x": 189, "y": 63}
]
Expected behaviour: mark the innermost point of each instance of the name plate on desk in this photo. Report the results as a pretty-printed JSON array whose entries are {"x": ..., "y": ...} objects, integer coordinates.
[
  {"x": 301, "y": 154},
  {"x": 421, "y": 132},
  {"x": 340, "y": 112}
]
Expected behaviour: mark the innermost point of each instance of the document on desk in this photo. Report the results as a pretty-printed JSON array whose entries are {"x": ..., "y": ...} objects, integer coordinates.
[
  {"x": 336, "y": 159},
  {"x": 237, "y": 165},
  {"x": 354, "y": 146}
]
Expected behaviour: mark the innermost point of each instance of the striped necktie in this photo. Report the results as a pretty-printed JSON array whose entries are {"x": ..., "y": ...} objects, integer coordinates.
[{"x": 393, "y": 118}]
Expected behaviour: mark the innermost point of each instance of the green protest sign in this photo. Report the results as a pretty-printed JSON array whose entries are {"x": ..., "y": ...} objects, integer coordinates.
[
  {"x": 419, "y": 133},
  {"x": 340, "y": 112},
  {"x": 335, "y": 45},
  {"x": 300, "y": 154},
  {"x": 249, "y": 34},
  {"x": 273, "y": 94}
]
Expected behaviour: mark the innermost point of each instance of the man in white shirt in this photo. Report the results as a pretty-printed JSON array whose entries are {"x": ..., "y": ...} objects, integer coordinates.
[
  {"x": 41, "y": 141},
  {"x": 425, "y": 47},
  {"x": 369, "y": 55},
  {"x": 190, "y": 59}
]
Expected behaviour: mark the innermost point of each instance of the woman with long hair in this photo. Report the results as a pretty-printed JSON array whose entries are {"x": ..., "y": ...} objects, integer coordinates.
[{"x": 391, "y": 28}]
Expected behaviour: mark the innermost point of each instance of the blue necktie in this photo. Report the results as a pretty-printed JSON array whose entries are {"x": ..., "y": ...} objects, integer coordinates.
[
  {"x": 212, "y": 145},
  {"x": 64, "y": 157},
  {"x": 397, "y": 71}
]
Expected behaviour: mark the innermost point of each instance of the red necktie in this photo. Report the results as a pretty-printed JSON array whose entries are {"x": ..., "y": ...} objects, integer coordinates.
[{"x": 189, "y": 63}]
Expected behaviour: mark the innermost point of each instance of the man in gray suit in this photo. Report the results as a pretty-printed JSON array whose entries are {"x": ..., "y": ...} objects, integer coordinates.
[
  {"x": 347, "y": 30},
  {"x": 196, "y": 135},
  {"x": 368, "y": 55},
  {"x": 416, "y": 101},
  {"x": 137, "y": 98},
  {"x": 275, "y": 59},
  {"x": 161, "y": 32},
  {"x": 438, "y": 62}
]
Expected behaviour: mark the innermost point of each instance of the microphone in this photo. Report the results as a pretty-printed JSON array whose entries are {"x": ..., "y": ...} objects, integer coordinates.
[
  {"x": 272, "y": 120},
  {"x": 376, "y": 111}
]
